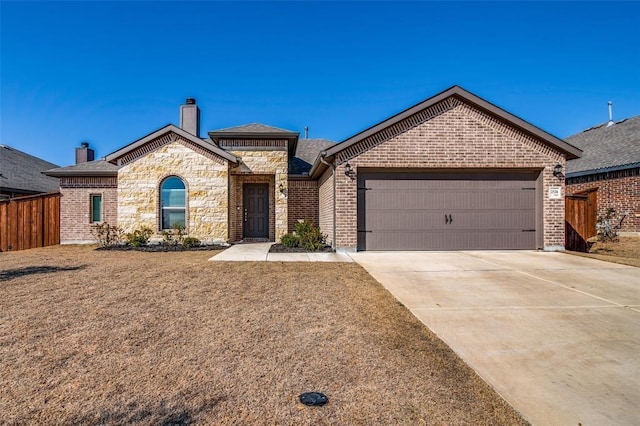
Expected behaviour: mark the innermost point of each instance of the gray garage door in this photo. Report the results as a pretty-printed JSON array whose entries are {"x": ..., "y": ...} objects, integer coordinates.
[{"x": 446, "y": 211}]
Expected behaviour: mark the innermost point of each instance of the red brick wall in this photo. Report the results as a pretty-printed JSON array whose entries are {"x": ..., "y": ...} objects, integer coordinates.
[
  {"x": 302, "y": 197},
  {"x": 459, "y": 137},
  {"x": 325, "y": 205},
  {"x": 75, "y": 206},
  {"x": 622, "y": 194}
]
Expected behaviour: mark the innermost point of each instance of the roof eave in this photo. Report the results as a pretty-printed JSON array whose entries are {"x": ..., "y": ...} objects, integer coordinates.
[
  {"x": 318, "y": 167},
  {"x": 80, "y": 173},
  {"x": 216, "y": 136},
  {"x": 602, "y": 170}
]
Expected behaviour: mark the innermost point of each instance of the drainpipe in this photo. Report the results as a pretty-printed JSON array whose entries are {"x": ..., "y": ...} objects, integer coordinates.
[{"x": 333, "y": 175}]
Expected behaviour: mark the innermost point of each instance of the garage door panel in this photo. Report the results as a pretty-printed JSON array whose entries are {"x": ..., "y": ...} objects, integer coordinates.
[
  {"x": 430, "y": 199},
  {"x": 446, "y": 240},
  {"x": 390, "y": 220},
  {"x": 447, "y": 211}
]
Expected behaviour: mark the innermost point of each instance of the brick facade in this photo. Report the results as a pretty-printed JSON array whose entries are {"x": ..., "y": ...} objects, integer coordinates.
[
  {"x": 455, "y": 135},
  {"x": 614, "y": 191},
  {"x": 325, "y": 204},
  {"x": 302, "y": 197},
  {"x": 75, "y": 206}
]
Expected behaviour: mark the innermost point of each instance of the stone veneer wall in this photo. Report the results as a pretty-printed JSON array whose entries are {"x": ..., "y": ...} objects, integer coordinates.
[
  {"x": 459, "y": 137},
  {"x": 75, "y": 206},
  {"x": 264, "y": 166},
  {"x": 206, "y": 181}
]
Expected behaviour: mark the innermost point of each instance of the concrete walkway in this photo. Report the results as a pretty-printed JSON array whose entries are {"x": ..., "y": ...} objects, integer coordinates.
[
  {"x": 558, "y": 336},
  {"x": 259, "y": 252}
]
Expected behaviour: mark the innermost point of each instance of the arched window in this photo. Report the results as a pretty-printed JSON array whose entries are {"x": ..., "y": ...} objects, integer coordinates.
[{"x": 172, "y": 202}]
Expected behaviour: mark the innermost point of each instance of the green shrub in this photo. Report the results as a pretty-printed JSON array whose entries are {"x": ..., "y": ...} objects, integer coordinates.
[
  {"x": 106, "y": 235},
  {"x": 190, "y": 242},
  {"x": 173, "y": 236},
  {"x": 310, "y": 236},
  {"x": 139, "y": 237},
  {"x": 290, "y": 240}
]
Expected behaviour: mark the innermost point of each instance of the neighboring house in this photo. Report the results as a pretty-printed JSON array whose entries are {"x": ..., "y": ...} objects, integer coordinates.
[
  {"x": 453, "y": 172},
  {"x": 20, "y": 174},
  {"x": 610, "y": 165}
]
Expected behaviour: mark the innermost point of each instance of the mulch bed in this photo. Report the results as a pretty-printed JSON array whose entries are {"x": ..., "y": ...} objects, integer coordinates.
[
  {"x": 157, "y": 248},
  {"x": 280, "y": 248}
]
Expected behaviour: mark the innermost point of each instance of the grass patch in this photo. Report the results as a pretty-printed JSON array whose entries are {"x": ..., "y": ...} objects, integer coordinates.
[
  {"x": 626, "y": 251},
  {"x": 168, "y": 338}
]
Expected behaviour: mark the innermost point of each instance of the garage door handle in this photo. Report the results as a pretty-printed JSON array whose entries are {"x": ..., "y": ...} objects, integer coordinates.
[
  {"x": 450, "y": 219},
  {"x": 446, "y": 219}
]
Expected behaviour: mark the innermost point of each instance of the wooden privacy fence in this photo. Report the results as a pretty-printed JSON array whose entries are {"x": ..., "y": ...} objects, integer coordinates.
[
  {"x": 30, "y": 222},
  {"x": 580, "y": 215}
]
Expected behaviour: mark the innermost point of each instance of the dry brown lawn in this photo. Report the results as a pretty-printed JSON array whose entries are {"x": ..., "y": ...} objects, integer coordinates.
[
  {"x": 625, "y": 251},
  {"x": 95, "y": 337}
]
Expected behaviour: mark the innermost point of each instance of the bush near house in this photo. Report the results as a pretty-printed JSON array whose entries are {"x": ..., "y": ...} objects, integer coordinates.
[
  {"x": 107, "y": 235},
  {"x": 139, "y": 237},
  {"x": 173, "y": 236},
  {"x": 306, "y": 236}
]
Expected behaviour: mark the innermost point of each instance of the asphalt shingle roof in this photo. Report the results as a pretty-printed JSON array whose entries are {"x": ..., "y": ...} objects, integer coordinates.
[
  {"x": 606, "y": 147},
  {"x": 90, "y": 168},
  {"x": 306, "y": 153},
  {"x": 253, "y": 128},
  {"x": 21, "y": 171}
]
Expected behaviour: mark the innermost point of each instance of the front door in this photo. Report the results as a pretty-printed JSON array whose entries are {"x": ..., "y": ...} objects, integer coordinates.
[{"x": 256, "y": 210}]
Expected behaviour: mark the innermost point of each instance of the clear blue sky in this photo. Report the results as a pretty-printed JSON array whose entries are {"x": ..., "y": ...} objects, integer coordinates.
[{"x": 112, "y": 72}]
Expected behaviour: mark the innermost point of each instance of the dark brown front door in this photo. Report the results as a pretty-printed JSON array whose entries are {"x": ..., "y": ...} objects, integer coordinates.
[{"x": 256, "y": 210}]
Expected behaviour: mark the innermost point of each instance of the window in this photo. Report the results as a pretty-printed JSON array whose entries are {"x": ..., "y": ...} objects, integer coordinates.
[
  {"x": 96, "y": 208},
  {"x": 172, "y": 202}
]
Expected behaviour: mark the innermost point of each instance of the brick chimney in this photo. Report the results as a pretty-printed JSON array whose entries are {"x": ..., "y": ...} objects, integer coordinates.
[
  {"x": 84, "y": 153},
  {"x": 190, "y": 117}
]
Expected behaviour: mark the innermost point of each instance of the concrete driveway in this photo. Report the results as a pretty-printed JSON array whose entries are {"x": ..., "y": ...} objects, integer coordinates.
[{"x": 558, "y": 336}]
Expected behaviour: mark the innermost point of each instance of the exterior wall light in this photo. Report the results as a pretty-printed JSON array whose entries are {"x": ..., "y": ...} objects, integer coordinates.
[
  {"x": 349, "y": 172},
  {"x": 557, "y": 171}
]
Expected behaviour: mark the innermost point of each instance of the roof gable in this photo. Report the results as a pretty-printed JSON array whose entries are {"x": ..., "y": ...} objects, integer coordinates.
[
  {"x": 256, "y": 131},
  {"x": 606, "y": 148},
  {"x": 167, "y": 134},
  {"x": 438, "y": 104}
]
